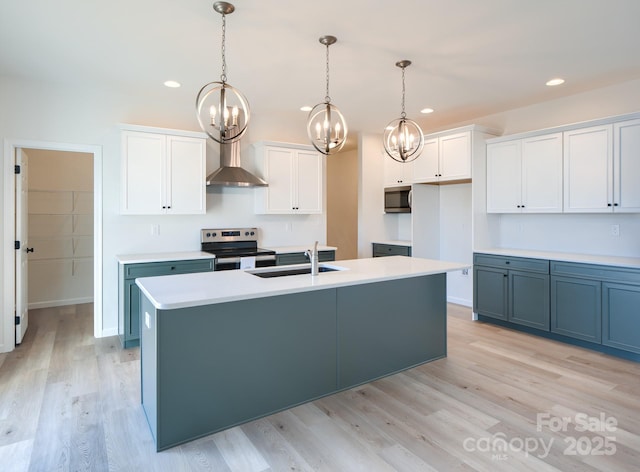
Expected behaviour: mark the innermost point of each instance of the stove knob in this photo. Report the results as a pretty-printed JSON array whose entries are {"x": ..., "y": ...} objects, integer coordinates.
[
  {"x": 253, "y": 233},
  {"x": 208, "y": 235},
  {"x": 246, "y": 233},
  {"x": 214, "y": 234}
]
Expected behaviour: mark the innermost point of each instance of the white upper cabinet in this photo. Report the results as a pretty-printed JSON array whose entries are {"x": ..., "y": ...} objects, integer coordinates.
[
  {"x": 295, "y": 174},
  {"x": 525, "y": 175},
  {"x": 542, "y": 174},
  {"x": 588, "y": 170},
  {"x": 445, "y": 158},
  {"x": 396, "y": 173},
  {"x": 162, "y": 173},
  {"x": 626, "y": 166},
  {"x": 504, "y": 177}
]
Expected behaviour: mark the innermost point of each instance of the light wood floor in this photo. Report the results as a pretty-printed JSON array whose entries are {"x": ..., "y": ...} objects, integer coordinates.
[{"x": 72, "y": 402}]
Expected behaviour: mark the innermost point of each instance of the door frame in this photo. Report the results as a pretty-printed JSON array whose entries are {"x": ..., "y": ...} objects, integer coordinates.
[{"x": 9, "y": 256}]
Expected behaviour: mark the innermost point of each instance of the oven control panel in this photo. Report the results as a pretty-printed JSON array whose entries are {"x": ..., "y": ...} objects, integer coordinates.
[{"x": 228, "y": 235}]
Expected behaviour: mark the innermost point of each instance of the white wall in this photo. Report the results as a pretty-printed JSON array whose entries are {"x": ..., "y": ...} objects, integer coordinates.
[
  {"x": 373, "y": 224},
  {"x": 50, "y": 112}
]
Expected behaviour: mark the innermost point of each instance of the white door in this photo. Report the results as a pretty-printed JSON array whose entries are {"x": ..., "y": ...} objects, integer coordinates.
[
  {"x": 455, "y": 156},
  {"x": 309, "y": 182},
  {"x": 626, "y": 166},
  {"x": 588, "y": 169},
  {"x": 542, "y": 174},
  {"x": 425, "y": 167},
  {"x": 504, "y": 177},
  {"x": 22, "y": 221},
  {"x": 186, "y": 169},
  {"x": 279, "y": 173}
]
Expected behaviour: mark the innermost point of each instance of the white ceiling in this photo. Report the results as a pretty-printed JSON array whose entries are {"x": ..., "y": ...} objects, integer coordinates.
[{"x": 470, "y": 57}]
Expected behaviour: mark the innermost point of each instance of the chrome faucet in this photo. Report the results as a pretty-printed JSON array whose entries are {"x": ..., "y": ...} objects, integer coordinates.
[{"x": 313, "y": 257}]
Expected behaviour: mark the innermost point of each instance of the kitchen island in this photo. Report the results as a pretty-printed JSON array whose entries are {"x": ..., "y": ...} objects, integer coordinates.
[{"x": 220, "y": 349}]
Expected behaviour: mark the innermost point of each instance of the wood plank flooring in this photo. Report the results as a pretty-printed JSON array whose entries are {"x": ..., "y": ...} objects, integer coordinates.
[{"x": 69, "y": 401}]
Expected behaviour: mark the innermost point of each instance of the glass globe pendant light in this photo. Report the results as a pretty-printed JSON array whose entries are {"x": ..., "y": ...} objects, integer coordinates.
[
  {"x": 222, "y": 110},
  {"x": 326, "y": 127},
  {"x": 403, "y": 139}
]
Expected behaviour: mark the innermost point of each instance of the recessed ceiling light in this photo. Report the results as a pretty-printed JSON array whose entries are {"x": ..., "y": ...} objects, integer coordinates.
[
  {"x": 557, "y": 81},
  {"x": 172, "y": 84},
  {"x": 306, "y": 108},
  {"x": 426, "y": 110}
]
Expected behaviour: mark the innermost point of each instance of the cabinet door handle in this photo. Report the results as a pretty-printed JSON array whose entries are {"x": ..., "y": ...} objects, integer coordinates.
[
  {"x": 173, "y": 267},
  {"x": 507, "y": 262},
  {"x": 608, "y": 204},
  {"x": 615, "y": 204}
]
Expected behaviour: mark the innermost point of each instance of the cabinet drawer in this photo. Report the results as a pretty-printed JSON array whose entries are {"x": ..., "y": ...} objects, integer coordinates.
[
  {"x": 506, "y": 262},
  {"x": 380, "y": 250},
  {"x": 290, "y": 258},
  {"x": 327, "y": 256},
  {"x": 595, "y": 271},
  {"x": 153, "y": 269}
]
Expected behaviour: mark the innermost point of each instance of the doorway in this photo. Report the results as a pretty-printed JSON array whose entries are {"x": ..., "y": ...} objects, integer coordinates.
[{"x": 75, "y": 223}]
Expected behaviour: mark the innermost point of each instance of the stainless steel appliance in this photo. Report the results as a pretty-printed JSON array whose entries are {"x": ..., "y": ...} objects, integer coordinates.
[
  {"x": 397, "y": 199},
  {"x": 231, "y": 245}
]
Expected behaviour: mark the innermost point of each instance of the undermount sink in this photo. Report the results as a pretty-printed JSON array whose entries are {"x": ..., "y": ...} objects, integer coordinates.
[{"x": 285, "y": 271}]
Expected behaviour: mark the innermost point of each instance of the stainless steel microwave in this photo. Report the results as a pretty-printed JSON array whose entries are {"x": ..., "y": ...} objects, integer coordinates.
[{"x": 397, "y": 199}]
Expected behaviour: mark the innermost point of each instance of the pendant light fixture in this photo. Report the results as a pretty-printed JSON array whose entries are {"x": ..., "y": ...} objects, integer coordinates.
[
  {"x": 222, "y": 110},
  {"x": 403, "y": 139},
  {"x": 326, "y": 127}
]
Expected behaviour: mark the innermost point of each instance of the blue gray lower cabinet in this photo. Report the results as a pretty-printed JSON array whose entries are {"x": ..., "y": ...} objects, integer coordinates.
[
  {"x": 513, "y": 289},
  {"x": 129, "y": 293},
  {"x": 590, "y": 305},
  {"x": 207, "y": 368},
  {"x": 383, "y": 250},
  {"x": 289, "y": 258}
]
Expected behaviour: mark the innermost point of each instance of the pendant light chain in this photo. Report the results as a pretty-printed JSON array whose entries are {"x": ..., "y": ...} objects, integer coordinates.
[
  {"x": 327, "y": 98},
  {"x": 403, "y": 114},
  {"x": 223, "y": 76}
]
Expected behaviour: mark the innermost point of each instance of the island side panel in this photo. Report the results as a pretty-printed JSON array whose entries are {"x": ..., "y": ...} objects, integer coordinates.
[
  {"x": 224, "y": 364},
  {"x": 387, "y": 327},
  {"x": 148, "y": 364}
]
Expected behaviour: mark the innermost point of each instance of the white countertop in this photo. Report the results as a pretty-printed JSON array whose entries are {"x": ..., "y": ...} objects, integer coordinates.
[
  {"x": 394, "y": 242},
  {"x": 205, "y": 288},
  {"x": 163, "y": 257},
  {"x": 631, "y": 262},
  {"x": 288, "y": 249}
]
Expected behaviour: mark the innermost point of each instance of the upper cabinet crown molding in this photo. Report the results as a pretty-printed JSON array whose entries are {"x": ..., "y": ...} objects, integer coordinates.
[
  {"x": 568, "y": 127},
  {"x": 167, "y": 131}
]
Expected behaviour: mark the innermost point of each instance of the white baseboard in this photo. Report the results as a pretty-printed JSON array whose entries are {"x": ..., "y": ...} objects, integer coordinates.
[
  {"x": 109, "y": 332},
  {"x": 55, "y": 303},
  {"x": 460, "y": 301}
]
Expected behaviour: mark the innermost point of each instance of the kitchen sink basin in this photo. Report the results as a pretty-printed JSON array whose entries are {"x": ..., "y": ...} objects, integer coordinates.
[{"x": 286, "y": 271}]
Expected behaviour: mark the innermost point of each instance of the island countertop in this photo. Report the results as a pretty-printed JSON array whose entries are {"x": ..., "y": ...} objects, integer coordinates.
[{"x": 189, "y": 290}]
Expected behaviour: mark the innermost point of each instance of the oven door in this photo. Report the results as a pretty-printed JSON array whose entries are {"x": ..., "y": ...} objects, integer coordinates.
[{"x": 231, "y": 263}]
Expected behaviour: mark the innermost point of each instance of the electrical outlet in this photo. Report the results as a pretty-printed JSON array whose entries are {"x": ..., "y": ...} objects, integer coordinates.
[
  {"x": 155, "y": 230},
  {"x": 615, "y": 230},
  {"x": 465, "y": 272}
]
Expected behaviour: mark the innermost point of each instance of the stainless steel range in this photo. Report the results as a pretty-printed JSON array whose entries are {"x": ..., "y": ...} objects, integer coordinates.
[{"x": 231, "y": 245}]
